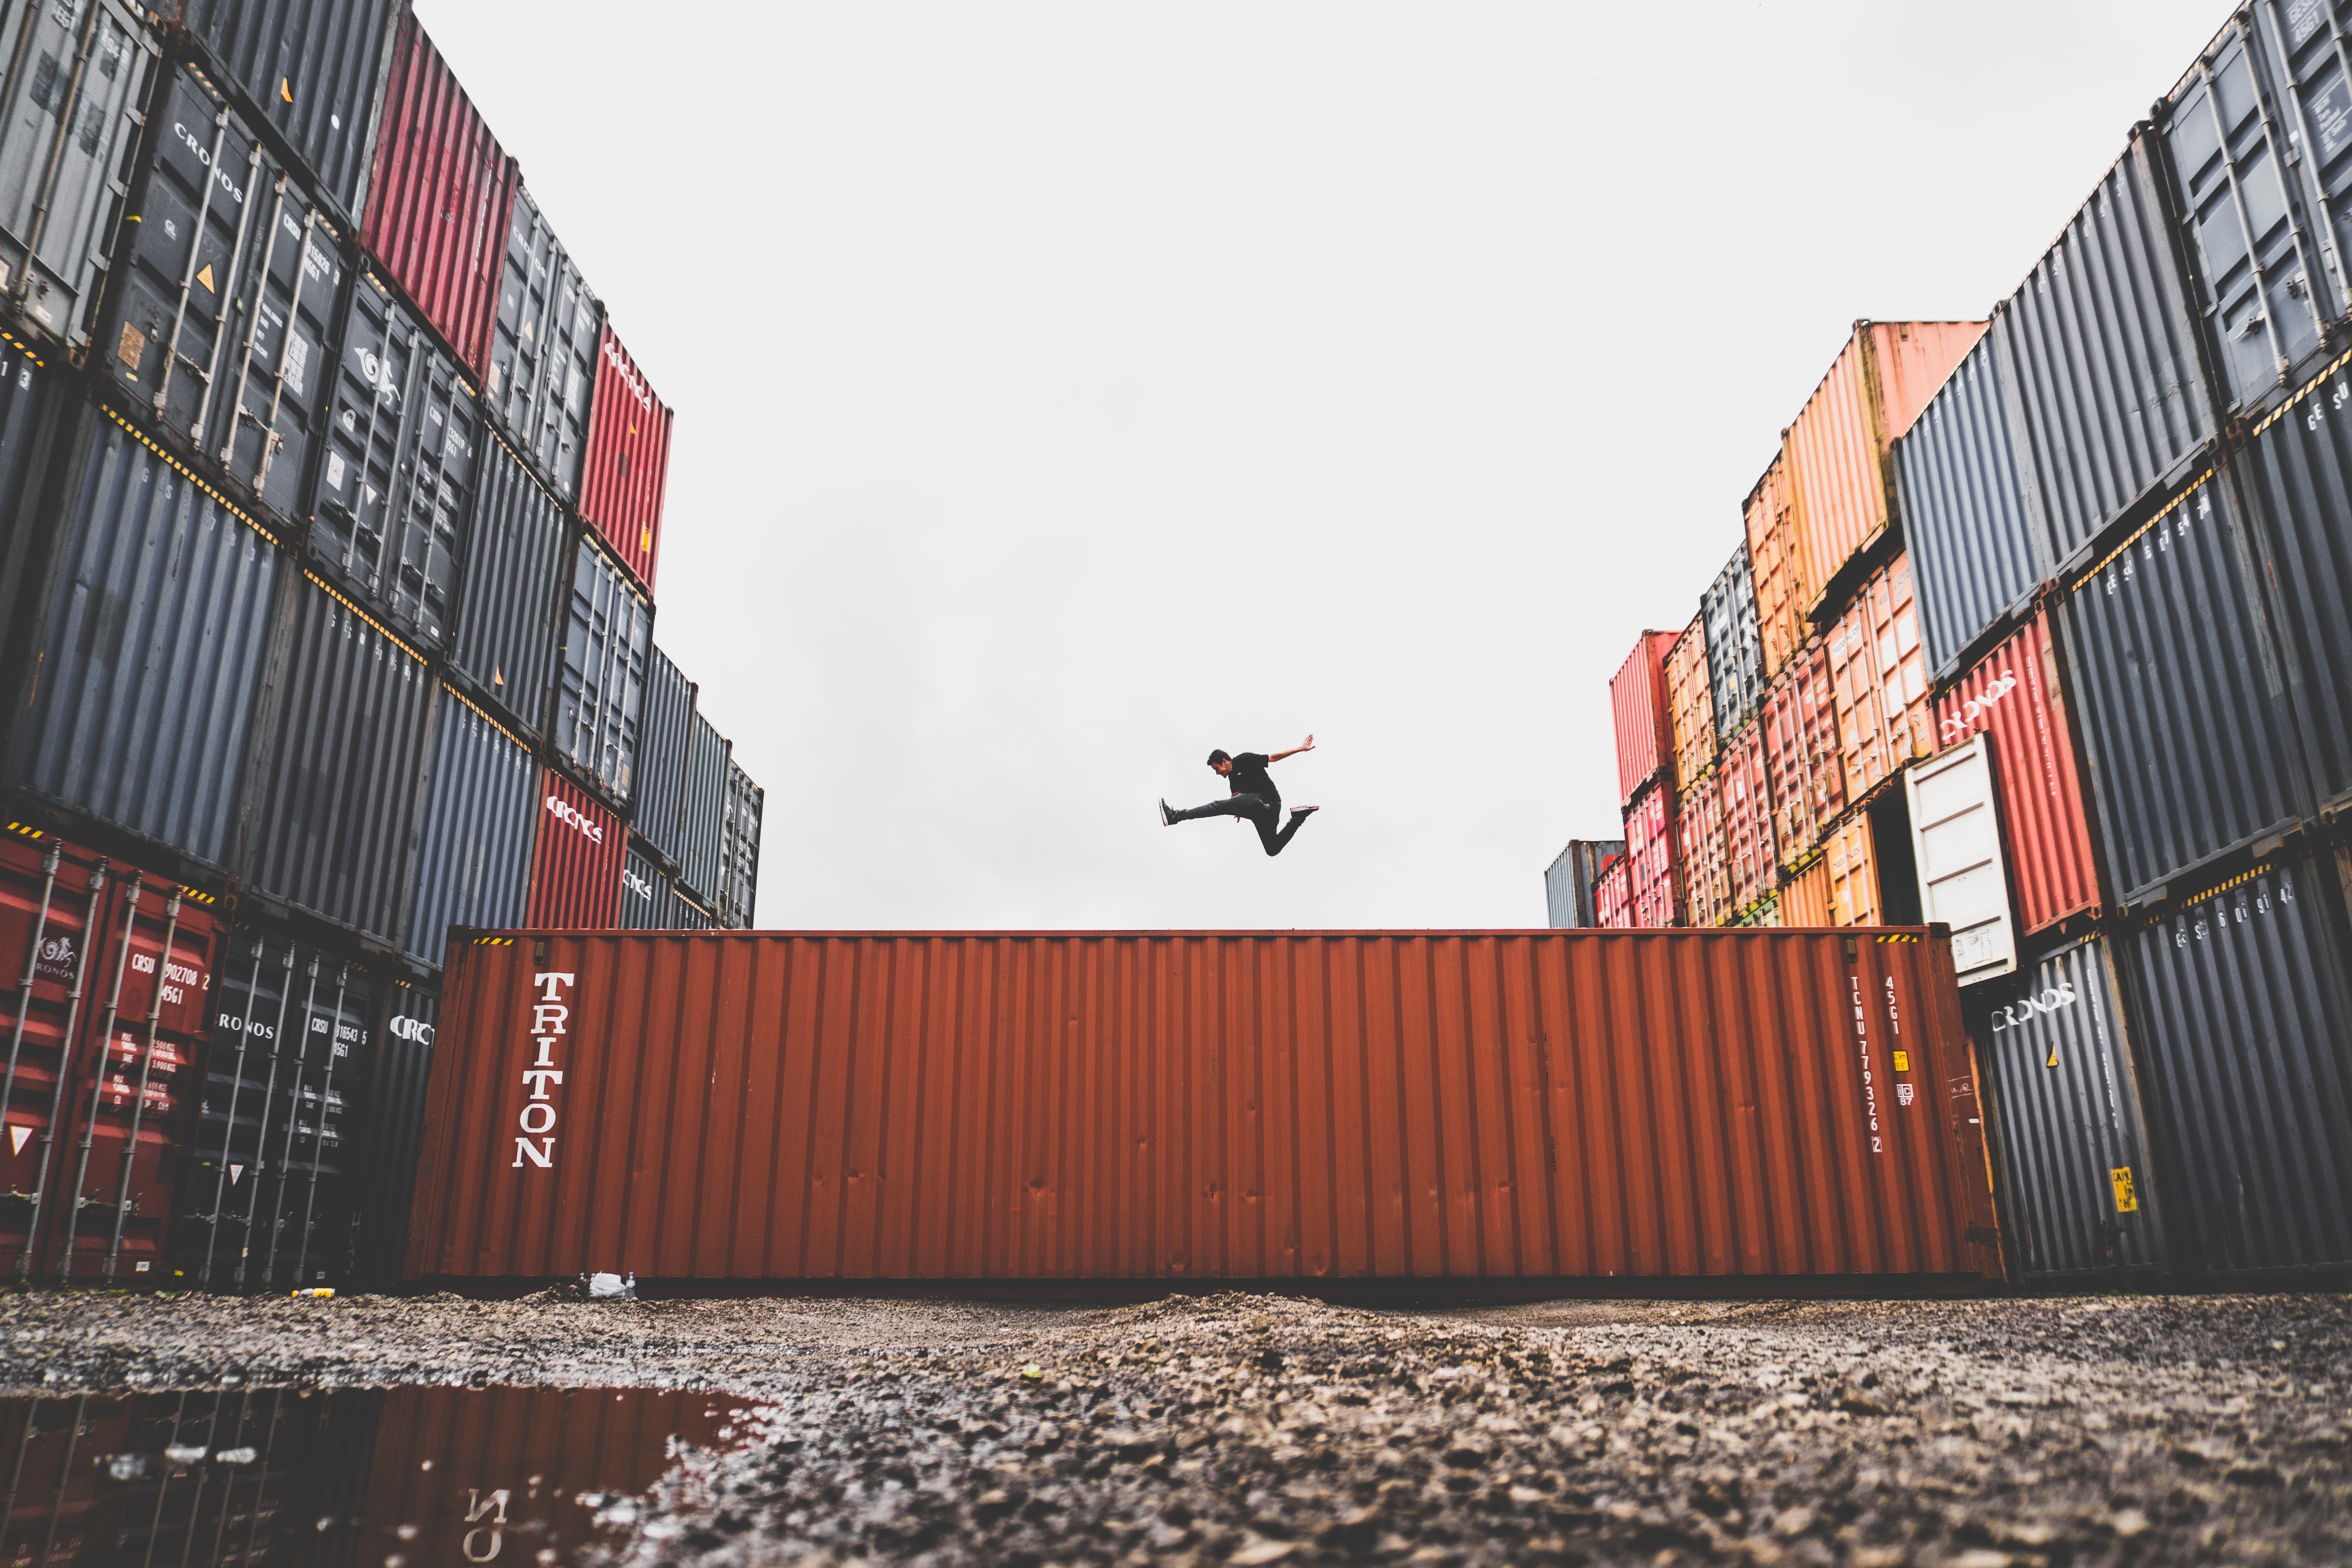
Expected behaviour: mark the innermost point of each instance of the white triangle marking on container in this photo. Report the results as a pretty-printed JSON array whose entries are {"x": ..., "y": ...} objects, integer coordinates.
[
  {"x": 16, "y": 1137},
  {"x": 234, "y": 1173}
]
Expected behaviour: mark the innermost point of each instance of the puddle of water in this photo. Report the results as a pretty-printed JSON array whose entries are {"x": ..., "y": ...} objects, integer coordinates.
[{"x": 403, "y": 1477}]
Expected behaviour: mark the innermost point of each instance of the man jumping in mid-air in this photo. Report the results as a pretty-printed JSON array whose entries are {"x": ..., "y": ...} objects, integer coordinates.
[{"x": 1254, "y": 798}]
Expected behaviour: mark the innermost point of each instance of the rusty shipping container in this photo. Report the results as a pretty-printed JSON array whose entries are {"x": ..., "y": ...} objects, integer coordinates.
[
  {"x": 1637, "y": 701},
  {"x": 1569, "y": 882},
  {"x": 1650, "y": 851},
  {"x": 1775, "y": 575},
  {"x": 1838, "y": 446},
  {"x": 576, "y": 874},
  {"x": 1613, "y": 895},
  {"x": 1878, "y": 675},
  {"x": 438, "y": 199},
  {"x": 1801, "y": 747},
  {"x": 1690, "y": 705},
  {"x": 2015, "y": 696},
  {"x": 1745, "y": 784},
  {"x": 1685, "y": 1105},
  {"x": 1705, "y": 854},
  {"x": 627, "y": 472}
]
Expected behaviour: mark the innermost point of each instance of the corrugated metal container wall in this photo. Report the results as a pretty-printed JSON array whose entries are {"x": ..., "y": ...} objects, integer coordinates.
[
  {"x": 335, "y": 800},
  {"x": 576, "y": 875},
  {"x": 1637, "y": 700},
  {"x": 1801, "y": 747},
  {"x": 1837, "y": 446},
  {"x": 704, "y": 814},
  {"x": 1650, "y": 850},
  {"x": 543, "y": 351},
  {"x": 1706, "y": 855},
  {"x": 268, "y": 1200},
  {"x": 600, "y": 696},
  {"x": 1735, "y": 654},
  {"x": 2186, "y": 716},
  {"x": 2015, "y": 696},
  {"x": 2235, "y": 163},
  {"x": 1207, "y": 1106},
  {"x": 1807, "y": 898},
  {"x": 1613, "y": 895},
  {"x": 1776, "y": 571},
  {"x": 1690, "y": 705},
  {"x": 1568, "y": 883},
  {"x": 663, "y": 739},
  {"x": 1974, "y": 545},
  {"x": 2299, "y": 480},
  {"x": 2246, "y": 1018},
  {"x": 1851, "y": 855},
  {"x": 1764, "y": 916},
  {"x": 391, "y": 1128},
  {"x": 2068, "y": 1129},
  {"x": 627, "y": 471},
  {"x": 2303, "y": 47},
  {"x": 645, "y": 895},
  {"x": 395, "y": 489},
  {"x": 685, "y": 914},
  {"x": 1878, "y": 675},
  {"x": 2104, "y": 380},
  {"x": 313, "y": 67},
  {"x": 37, "y": 410},
  {"x": 223, "y": 318},
  {"x": 438, "y": 198},
  {"x": 1745, "y": 784},
  {"x": 511, "y": 580},
  {"x": 141, "y": 695},
  {"x": 739, "y": 853},
  {"x": 1953, "y": 819},
  {"x": 64, "y": 153},
  {"x": 473, "y": 854}
]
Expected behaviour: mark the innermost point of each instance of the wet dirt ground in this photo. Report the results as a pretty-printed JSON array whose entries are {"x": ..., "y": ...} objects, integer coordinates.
[{"x": 1252, "y": 1429}]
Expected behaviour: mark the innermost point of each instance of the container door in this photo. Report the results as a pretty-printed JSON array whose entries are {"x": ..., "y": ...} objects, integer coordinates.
[{"x": 1956, "y": 840}]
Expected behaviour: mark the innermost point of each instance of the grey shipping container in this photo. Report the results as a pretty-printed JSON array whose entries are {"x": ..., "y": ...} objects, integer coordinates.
[
  {"x": 1735, "y": 648},
  {"x": 2102, "y": 373},
  {"x": 543, "y": 345},
  {"x": 474, "y": 836},
  {"x": 71, "y": 104},
  {"x": 1569, "y": 903},
  {"x": 313, "y": 68},
  {"x": 395, "y": 479},
  {"x": 391, "y": 1128},
  {"x": 2236, "y": 165},
  {"x": 330, "y": 825},
  {"x": 268, "y": 1198},
  {"x": 2068, "y": 1129},
  {"x": 646, "y": 895},
  {"x": 2300, "y": 481},
  {"x": 33, "y": 408},
  {"x": 1976, "y": 555},
  {"x": 154, "y": 633},
  {"x": 600, "y": 696},
  {"x": 738, "y": 852},
  {"x": 702, "y": 813},
  {"x": 2186, "y": 715},
  {"x": 2246, "y": 1024},
  {"x": 510, "y": 587},
  {"x": 222, "y": 306},
  {"x": 685, "y": 914},
  {"x": 662, "y": 741}
]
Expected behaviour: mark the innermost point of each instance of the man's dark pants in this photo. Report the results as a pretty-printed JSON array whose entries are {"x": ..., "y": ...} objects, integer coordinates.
[{"x": 1261, "y": 813}]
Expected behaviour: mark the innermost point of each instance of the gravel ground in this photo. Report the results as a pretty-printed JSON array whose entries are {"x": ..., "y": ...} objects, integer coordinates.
[{"x": 1249, "y": 1429}]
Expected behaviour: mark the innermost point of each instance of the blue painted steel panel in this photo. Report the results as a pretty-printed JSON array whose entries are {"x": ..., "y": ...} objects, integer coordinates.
[
  {"x": 600, "y": 695},
  {"x": 34, "y": 408},
  {"x": 391, "y": 1128},
  {"x": 1735, "y": 647},
  {"x": 703, "y": 811},
  {"x": 507, "y": 604},
  {"x": 646, "y": 895},
  {"x": 473, "y": 858},
  {"x": 739, "y": 852},
  {"x": 662, "y": 744}
]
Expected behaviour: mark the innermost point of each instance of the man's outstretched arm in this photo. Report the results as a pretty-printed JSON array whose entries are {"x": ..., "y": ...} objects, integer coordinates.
[{"x": 1306, "y": 745}]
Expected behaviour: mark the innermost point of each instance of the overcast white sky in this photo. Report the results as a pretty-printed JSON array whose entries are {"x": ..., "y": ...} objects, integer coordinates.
[{"x": 1066, "y": 389}]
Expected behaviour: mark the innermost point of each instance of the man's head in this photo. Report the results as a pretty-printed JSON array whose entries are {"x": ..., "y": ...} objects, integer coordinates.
[{"x": 1221, "y": 765}]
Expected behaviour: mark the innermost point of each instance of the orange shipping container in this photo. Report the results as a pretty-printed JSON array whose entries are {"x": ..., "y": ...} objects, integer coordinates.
[
  {"x": 1852, "y": 862},
  {"x": 1184, "y": 1106},
  {"x": 1801, "y": 747},
  {"x": 1744, "y": 786},
  {"x": 1837, "y": 447},
  {"x": 1705, "y": 857},
  {"x": 1805, "y": 898},
  {"x": 1690, "y": 701},
  {"x": 1772, "y": 516},
  {"x": 1879, "y": 672}
]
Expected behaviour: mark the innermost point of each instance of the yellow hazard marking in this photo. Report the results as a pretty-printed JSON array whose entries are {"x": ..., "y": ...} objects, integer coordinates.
[
  {"x": 645, "y": 539},
  {"x": 204, "y": 277},
  {"x": 2127, "y": 1195},
  {"x": 1903, "y": 1061},
  {"x": 2053, "y": 1056}
]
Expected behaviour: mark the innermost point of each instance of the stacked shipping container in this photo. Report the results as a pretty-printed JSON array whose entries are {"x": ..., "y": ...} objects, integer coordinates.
[{"x": 276, "y": 310}]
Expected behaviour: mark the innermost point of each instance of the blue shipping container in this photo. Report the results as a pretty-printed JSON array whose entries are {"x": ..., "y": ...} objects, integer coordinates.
[{"x": 473, "y": 860}]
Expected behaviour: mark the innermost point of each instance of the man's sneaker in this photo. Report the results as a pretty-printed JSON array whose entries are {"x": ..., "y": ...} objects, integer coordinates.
[
  {"x": 1167, "y": 817},
  {"x": 1304, "y": 810}
]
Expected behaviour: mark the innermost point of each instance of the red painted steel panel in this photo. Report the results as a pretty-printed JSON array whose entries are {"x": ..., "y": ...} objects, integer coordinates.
[
  {"x": 1612, "y": 894},
  {"x": 1203, "y": 1105},
  {"x": 1706, "y": 854},
  {"x": 1878, "y": 671},
  {"x": 1745, "y": 783},
  {"x": 2014, "y": 696},
  {"x": 1650, "y": 850},
  {"x": 1637, "y": 699},
  {"x": 440, "y": 196},
  {"x": 575, "y": 872},
  {"x": 628, "y": 460},
  {"x": 1690, "y": 701},
  {"x": 1801, "y": 747}
]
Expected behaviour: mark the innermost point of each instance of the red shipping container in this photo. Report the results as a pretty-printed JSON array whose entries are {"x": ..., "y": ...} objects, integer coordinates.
[
  {"x": 1637, "y": 699},
  {"x": 1613, "y": 895},
  {"x": 575, "y": 873},
  {"x": 1745, "y": 785},
  {"x": 628, "y": 460},
  {"x": 1251, "y": 1106},
  {"x": 1705, "y": 857},
  {"x": 101, "y": 1057},
  {"x": 440, "y": 196},
  {"x": 1690, "y": 701},
  {"x": 1879, "y": 672},
  {"x": 1801, "y": 747},
  {"x": 1650, "y": 849},
  {"x": 2014, "y": 696}
]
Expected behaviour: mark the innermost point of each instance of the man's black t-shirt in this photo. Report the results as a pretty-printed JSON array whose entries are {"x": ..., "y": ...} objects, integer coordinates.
[{"x": 1250, "y": 777}]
